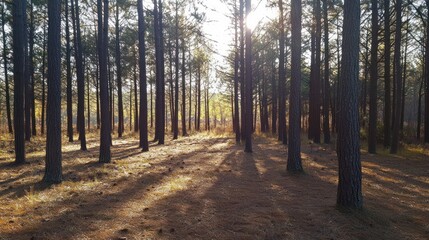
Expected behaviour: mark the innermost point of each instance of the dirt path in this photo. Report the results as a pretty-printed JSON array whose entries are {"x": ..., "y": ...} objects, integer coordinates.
[{"x": 202, "y": 187}]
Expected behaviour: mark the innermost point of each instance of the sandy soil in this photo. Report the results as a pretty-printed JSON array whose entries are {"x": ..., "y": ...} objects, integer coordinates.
[{"x": 206, "y": 187}]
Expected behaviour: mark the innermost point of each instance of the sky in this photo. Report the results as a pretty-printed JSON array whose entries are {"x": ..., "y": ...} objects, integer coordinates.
[{"x": 219, "y": 27}]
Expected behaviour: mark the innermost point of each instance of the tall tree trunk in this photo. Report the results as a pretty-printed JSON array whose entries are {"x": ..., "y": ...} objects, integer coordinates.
[
  {"x": 103, "y": 26},
  {"x": 236, "y": 113},
  {"x": 426, "y": 125},
  {"x": 176, "y": 83},
  {"x": 326, "y": 86},
  {"x": 97, "y": 92},
  {"x": 364, "y": 85},
  {"x": 162, "y": 73},
  {"x": 80, "y": 77},
  {"x": 372, "y": 130},
  {"x": 184, "y": 132},
  {"x": 53, "y": 168},
  {"x": 31, "y": 68},
  {"x": 88, "y": 100},
  {"x": 136, "y": 106},
  {"x": 111, "y": 95},
  {"x": 119, "y": 74},
  {"x": 208, "y": 108},
  {"x": 294, "y": 145},
  {"x": 387, "y": 87},
  {"x": 398, "y": 79},
  {"x": 242, "y": 83},
  {"x": 273, "y": 100},
  {"x": 160, "y": 85},
  {"x": 248, "y": 85},
  {"x": 18, "y": 28},
  {"x": 143, "y": 86},
  {"x": 198, "y": 92},
  {"x": 314, "y": 117},
  {"x": 69, "y": 75},
  {"x": 349, "y": 192},
  {"x": 171, "y": 87},
  {"x": 6, "y": 77},
  {"x": 404, "y": 78},
  {"x": 337, "y": 90},
  {"x": 42, "y": 128},
  {"x": 151, "y": 105},
  {"x": 27, "y": 82},
  {"x": 190, "y": 91},
  {"x": 282, "y": 76},
  {"x": 419, "y": 109}
]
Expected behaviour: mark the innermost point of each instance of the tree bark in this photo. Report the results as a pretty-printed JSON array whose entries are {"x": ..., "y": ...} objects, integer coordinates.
[
  {"x": 314, "y": 117},
  {"x": 42, "y": 128},
  {"x": 31, "y": 68},
  {"x": 248, "y": 85},
  {"x": 372, "y": 128},
  {"x": 176, "y": 77},
  {"x": 294, "y": 145},
  {"x": 18, "y": 23},
  {"x": 80, "y": 79},
  {"x": 160, "y": 84},
  {"x": 242, "y": 83},
  {"x": 68, "y": 75},
  {"x": 397, "y": 78},
  {"x": 53, "y": 168},
  {"x": 142, "y": 80},
  {"x": 236, "y": 80},
  {"x": 184, "y": 132},
  {"x": 105, "y": 137},
  {"x": 426, "y": 124},
  {"x": 27, "y": 81},
  {"x": 119, "y": 74},
  {"x": 387, "y": 87},
  {"x": 6, "y": 77},
  {"x": 326, "y": 86},
  {"x": 282, "y": 76},
  {"x": 349, "y": 193},
  {"x": 136, "y": 105}
]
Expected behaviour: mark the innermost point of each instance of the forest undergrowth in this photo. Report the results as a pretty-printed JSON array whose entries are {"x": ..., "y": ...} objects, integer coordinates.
[{"x": 205, "y": 187}]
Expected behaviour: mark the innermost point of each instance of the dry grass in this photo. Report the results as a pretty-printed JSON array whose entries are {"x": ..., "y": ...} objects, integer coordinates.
[{"x": 205, "y": 187}]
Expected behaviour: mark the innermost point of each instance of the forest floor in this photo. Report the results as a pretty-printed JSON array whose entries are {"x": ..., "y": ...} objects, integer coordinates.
[{"x": 206, "y": 187}]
